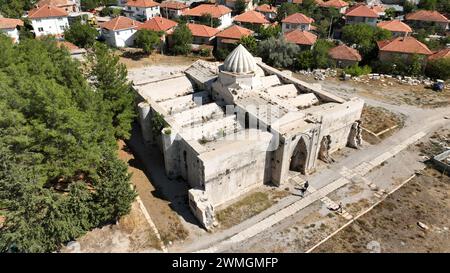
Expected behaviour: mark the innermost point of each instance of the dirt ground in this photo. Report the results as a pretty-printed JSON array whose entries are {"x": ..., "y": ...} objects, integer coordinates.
[
  {"x": 137, "y": 60},
  {"x": 377, "y": 120},
  {"x": 165, "y": 219},
  {"x": 393, "y": 226},
  {"x": 131, "y": 234},
  {"x": 386, "y": 90}
]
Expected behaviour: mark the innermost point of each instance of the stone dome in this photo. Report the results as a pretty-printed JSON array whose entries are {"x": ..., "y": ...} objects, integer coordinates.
[{"x": 240, "y": 61}]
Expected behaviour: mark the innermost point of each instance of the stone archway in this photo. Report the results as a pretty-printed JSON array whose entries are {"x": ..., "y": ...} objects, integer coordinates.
[{"x": 299, "y": 157}]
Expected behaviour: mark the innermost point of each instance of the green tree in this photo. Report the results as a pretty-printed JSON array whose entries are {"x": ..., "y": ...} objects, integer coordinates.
[
  {"x": 264, "y": 33},
  {"x": 438, "y": 69},
  {"x": 112, "y": 12},
  {"x": 82, "y": 35},
  {"x": 278, "y": 52},
  {"x": 408, "y": 7},
  {"x": 147, "y": 40},
  {"x": 428, "y": 4},
  {"x": 15, "y": 8},
  {"x": 182, "y": 40},
  {"x": 250, "y": 43},
  {"x": 240, "y": 6},
  {"x": 207, "y": 20},
  {"x": 315, "y": 58},
  {"x": 286, "y": 9},
  {"x": 110, "y": 81}
]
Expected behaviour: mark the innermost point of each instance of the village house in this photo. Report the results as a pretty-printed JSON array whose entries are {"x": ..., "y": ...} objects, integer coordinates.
[
  {"x": 232, "y": 4},
  {"x": 220, "y": 12},
  {"x": 160, "y": 24},
  {"x": 75, "y": 52},
  {"x": 296, "y": 21},
  {"x": 67, "y": 5},
  {"x": 361, "y": 14},
  {"x": 233, "y": 127},
  {"x": 251, "y": 19},
  {"x": 142, "y": 10},
  {"x": 396, "y": 27},
  {"x": 172, "y": 9},
  {"x": 119, "y": 32},
  {"x": 340, "y": 5},
  {"x": 427, "y": 18},
  {"x": 302, "y": 38},
  {"x": 344, "y": 56},
  {"x": 229, "y": 37},
  {"x": 48, "y": 20},
  {"x": 202, "y": 35},
  {"x": 269, "y": 11},
  {"x": 9, "y": 27},
  {"x": 441, "y": 54},
  {"x": 403, "y": 47}
]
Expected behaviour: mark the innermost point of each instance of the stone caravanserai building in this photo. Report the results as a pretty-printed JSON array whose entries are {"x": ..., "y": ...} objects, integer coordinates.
[{"x": 229, "y": 128}]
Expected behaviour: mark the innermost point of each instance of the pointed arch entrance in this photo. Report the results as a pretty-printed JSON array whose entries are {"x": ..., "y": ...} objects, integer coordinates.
[{"x": 299, "y": 157}]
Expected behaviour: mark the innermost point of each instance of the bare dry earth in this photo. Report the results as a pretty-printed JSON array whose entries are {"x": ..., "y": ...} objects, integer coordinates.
[
  {"x": 393, "y": 224},
  {"x": 386, "y": 90}
]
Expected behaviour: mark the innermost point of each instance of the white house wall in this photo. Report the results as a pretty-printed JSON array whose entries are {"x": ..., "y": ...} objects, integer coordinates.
[{"x": 49, "y": 26}]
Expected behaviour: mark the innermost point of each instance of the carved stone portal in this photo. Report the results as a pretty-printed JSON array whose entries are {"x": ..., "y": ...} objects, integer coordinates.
[
  {"x": 324, "y": 151},
  {"x": 355, "y": 136}
]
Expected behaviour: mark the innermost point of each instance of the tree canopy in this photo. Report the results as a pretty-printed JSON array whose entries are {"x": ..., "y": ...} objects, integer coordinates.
[
  {"x": 182, "y": 40},
  {"x": 82, "y": 35},
  {"x": 59, "y": 171},
  {"x": 278, "y": 52},
  {"x": 365, "y": 37},
  {"x": 147, "y": 40}
]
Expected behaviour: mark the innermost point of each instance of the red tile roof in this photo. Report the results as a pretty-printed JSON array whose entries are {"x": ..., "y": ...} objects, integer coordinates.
[
  {"x": 120, "y": 23},
  {"x": 408, "y": 45},
  {"x": 298, "y": 18},
  {"x": 300, "y": 37},
  {"x": 46, "y": 11},
  {"x": 251, "y": 16},
  {"x": 361, "y": 11},
  {"x": 234, "y": 32},
  {"x": 343, "y": 52},
  {"x": 334, "y": 4},
  {"x": 6, "y": 23},
  {"x": 71, "y": 47},
  {"x": 394, "y": 25},
  {"x": 158, "y": 24},
  {"x": 202, "y": 30},
  {"x": 142, "y": 3},
  {"x": 173, "y": 5},
  {"x": 216, "y": 11},
  {"x": 426, "y": 15},
  {"x": 266, "y": 8},
  {"x": 444, "y": 53}
]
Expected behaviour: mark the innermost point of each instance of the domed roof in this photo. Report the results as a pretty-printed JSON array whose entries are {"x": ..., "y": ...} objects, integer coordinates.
[{"x": 240, "y": 61}]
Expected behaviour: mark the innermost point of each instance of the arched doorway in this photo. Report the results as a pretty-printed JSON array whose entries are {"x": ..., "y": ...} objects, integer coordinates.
[{"x": 299, "y": 157}]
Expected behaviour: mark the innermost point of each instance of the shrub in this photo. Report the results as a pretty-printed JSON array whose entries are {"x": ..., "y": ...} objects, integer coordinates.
[
  {"x": 147, "y": 40},
  {"x": 357, "y": 71},
  {"x": 438, "y": 69}
]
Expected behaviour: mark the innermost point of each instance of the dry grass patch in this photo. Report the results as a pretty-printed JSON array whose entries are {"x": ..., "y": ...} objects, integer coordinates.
[{"x": 248, "y": 206}]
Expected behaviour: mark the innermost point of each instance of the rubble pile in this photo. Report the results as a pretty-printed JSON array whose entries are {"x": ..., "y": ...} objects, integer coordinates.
[{"x": 322, "y": 74}]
